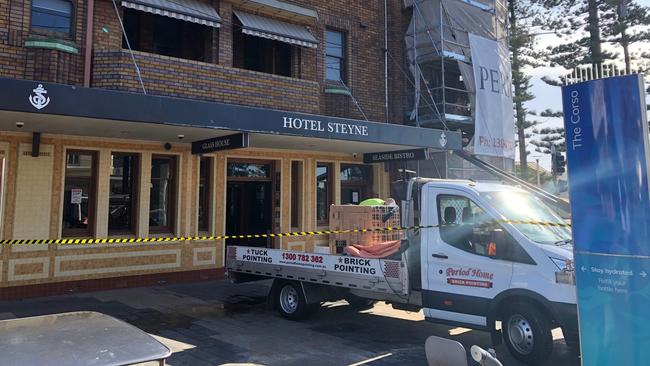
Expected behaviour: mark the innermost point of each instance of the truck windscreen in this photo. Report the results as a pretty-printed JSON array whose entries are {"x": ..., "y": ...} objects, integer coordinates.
[{"x": 520, "y": 206}]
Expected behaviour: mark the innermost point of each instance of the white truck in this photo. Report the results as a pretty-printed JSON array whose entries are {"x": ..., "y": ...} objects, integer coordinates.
[{"x": 470, "y": 264}]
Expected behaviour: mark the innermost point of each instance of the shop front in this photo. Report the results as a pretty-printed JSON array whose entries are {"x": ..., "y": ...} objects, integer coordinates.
[{"x": 91, "y": 163}]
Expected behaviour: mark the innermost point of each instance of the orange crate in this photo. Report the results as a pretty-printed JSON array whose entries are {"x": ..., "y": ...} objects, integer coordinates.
[{"x": 350, "y": 217}]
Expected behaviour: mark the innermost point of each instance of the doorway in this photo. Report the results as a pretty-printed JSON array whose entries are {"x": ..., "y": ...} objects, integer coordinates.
[{"x": 249, "y": 203}]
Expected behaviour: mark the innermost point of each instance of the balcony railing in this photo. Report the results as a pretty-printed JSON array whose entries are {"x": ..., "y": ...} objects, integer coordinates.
[{"x": 169, "y": 76}]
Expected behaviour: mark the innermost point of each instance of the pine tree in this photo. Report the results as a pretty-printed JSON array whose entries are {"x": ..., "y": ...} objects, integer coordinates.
[
  {"x": 549, "y": 136},
  {"x": 523, "y": 17},
  {"x": 577, "y": 24},
  {"x": 626, "y": 24}
]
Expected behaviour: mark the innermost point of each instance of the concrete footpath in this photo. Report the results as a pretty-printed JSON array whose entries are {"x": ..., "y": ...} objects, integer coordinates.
[{"x": 214, "y": 323}]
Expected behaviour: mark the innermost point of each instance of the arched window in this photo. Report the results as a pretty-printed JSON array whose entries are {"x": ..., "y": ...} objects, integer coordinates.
[{"x": 52, "y": 16}]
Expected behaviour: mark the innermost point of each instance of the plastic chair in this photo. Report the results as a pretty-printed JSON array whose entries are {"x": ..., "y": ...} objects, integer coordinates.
[{"x": 444, "y": 352}]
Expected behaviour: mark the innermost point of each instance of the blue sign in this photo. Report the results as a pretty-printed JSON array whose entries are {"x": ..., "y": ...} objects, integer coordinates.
[{"x": 608, "y": 157}]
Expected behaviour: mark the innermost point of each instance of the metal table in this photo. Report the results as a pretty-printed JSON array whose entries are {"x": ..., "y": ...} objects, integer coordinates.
[{"x": 80, "y": 338}]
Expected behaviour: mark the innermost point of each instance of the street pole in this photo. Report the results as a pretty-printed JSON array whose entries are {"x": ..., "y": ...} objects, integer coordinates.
[
  {"x": 553, "y": 169},
  {"x": 538, "y": 181}
]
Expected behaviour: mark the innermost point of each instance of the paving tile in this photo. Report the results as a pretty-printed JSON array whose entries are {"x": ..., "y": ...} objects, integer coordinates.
[{"x": 216, "y": 322}]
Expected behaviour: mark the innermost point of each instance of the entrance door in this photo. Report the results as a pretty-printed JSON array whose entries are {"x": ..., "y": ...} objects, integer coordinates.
[{"x": 248, "y": 211}]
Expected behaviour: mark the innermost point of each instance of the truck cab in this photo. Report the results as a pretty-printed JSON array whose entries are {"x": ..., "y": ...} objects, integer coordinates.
[{"x": 492, "y": 253}]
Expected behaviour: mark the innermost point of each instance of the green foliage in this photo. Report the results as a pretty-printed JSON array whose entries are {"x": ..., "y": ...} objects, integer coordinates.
[
  {"x": 626, "y": 24},
  {"x": 524, "y": 17},
  {"x": 584, "y": 27},
  {"x": 577, "y": 24},
  {"x": 547, "y": 137},
  {"x": 550, "y": 113}
]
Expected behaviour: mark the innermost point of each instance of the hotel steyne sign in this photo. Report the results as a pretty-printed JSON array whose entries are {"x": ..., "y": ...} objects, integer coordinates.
[{"x": 327, "y": 126}]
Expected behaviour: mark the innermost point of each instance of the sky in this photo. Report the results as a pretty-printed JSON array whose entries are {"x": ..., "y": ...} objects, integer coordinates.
[{"x": 547, "y": 96}]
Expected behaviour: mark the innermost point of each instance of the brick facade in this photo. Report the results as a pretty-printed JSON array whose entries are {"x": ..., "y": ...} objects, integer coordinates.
[
  {"x": 218, "y": 80},
  {"x": 22, "y": 62},
  {"x": 199, "y": 80},
  {"x": 33, "y": 187},
  {"x": 34, "y": 199}
]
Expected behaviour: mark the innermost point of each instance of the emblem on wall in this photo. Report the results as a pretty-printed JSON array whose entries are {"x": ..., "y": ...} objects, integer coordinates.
[
  {"x": 39, "y": 100},
  {"x": 443, "y": 139}
]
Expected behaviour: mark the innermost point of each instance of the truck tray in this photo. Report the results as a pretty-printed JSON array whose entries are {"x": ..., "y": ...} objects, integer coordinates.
[{"x": 380, "y": 275}]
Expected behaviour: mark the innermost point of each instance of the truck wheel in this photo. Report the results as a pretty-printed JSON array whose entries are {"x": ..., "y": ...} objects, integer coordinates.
[
  {"x": 527, "y": 333},
  {"x": 290, "y": 301},
  {"x": 360, "y": 303}
]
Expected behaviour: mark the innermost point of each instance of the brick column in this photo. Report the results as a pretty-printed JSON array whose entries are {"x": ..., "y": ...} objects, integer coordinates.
[
  {"x": 219, "y": 187},
  {"x": 285, "y": 199},
  {"x": 103, "y": 193},
  {"x": 225, "y": 34},
  {"x": 143, "y": 195},
  {"x": 336, "y": 177}
]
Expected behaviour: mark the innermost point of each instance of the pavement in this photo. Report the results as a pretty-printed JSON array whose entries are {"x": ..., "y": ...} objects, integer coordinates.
[{"x": 219, "y": 323}]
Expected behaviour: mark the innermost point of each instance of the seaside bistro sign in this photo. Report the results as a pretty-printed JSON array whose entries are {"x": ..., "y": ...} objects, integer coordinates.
[{"x": 379, "y": 157}]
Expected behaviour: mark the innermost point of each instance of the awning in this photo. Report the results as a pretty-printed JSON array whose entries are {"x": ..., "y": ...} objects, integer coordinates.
[
  {"x": 117, "y": 114},
  {"x": 187, "y": 10},
  {"x": 277, "y": 9},
  {"x": 258, "y": 26}
]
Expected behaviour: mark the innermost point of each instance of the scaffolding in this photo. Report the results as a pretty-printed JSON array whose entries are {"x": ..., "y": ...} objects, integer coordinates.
[{"x": 439, "y": 58}]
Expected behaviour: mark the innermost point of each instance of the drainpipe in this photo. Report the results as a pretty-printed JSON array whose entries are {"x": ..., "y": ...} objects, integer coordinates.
[
  {"x": 90, "y": 10},
  {"x": 385, "y": 60}
]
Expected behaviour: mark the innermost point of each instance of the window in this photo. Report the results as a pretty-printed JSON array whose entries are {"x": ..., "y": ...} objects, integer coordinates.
[
  {"x": 356, "y": 183},
  {"x": 248, "y": 170},
  {"x": 523, "y": 207},
  {"x": 53, "y": 16},
  {"x": 163, "y": 194},
  {"x": 261, "y": 54},
  {"x": 466, "y": 226},
  {"x": 122, "y": 199},
  {"x": 73, "y": 160},
  {"x": 79, "y": 194},
  {"x": 296, "y": 194},
  {"x": 205, "y": 187},
  {"x": 323, "y": 192},
  {"x": 167, "y": 36},
  {"x": 335, "y": 56},
  {"x": 461, "y": 224}
]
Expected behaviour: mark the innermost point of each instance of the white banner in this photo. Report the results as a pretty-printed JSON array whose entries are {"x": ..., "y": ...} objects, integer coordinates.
[
  {"x": 327, "y": 262},
  {"x": 494, "y": 127}
]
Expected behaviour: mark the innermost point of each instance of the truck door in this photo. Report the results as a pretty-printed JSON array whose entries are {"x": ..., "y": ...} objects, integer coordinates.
[{"x": 462, "y": 263}]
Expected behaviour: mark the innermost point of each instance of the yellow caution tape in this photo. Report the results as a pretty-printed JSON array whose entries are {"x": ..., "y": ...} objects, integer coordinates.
[{"x": 78, "y": 241}]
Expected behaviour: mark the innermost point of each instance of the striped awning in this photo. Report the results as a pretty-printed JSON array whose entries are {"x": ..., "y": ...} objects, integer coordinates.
[
  {"x": 187, "y": 10},
  {"x": 258, "y": 26}
]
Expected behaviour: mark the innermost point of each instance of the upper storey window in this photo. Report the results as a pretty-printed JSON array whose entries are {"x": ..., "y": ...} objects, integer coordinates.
[
  {"x": 178, "y": 28},
  {"x": 53, "y": 16},
  {"x": 335, "y": 56},
  {"x": 268, "y": 45}
]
